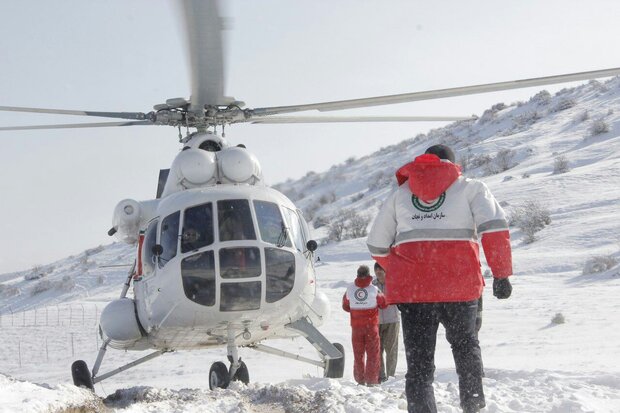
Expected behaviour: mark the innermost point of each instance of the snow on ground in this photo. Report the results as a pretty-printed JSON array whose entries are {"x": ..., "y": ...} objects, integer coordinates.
[{"x": 532, "y": 363}]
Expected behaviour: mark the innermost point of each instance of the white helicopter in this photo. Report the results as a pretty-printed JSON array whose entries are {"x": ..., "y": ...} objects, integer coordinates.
[{"x": 222, "y": 259}]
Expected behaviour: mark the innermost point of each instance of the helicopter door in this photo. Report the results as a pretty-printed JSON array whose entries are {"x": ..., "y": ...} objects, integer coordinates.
[
  {"x": 148, "y": 258},
  {"x": 169, "y": 238}
]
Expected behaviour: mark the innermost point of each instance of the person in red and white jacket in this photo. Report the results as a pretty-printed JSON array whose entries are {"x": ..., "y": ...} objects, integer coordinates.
[
  {"x": 363, "y": 300},
  {"x": 426, "y": 236}
]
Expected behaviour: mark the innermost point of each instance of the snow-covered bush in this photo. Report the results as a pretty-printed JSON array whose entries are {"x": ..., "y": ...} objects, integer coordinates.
[
  {"x": 34, "y": 274},
  {"x": 327, "y": 198},
  {"x": 490, "y": 114},
  {"x": 558, "y": 318},
  {"x": 505, "y": 159},
  {"x": 8, "y": 290},
  {"x": 66, "y": 284},
  {"x": 381, "y": 180},
  {"x": 530, "y": 217},
  {"x": 542, "y": 98},
  {"x": 320, "y": 221},
  {"x": 563, "y": 104},
  {"x": 41, "y": 286},
  {"x": 357, "y": 197},
  {"x": 560, "y": 165},
  {"x": 600, "y": 263},
  {"x": 347, "y": 224},
  {"x": 598, "y": 127}
]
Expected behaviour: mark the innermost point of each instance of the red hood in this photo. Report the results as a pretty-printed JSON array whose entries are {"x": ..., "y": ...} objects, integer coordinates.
[
  {"x": 428, "y": 176},
  {"x": 363, "y": 282}
]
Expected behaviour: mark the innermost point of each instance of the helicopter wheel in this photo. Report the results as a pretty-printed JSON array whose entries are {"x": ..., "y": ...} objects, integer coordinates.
[
  {"x": 242, "y": 374},
  {"x": 334, "y": 368},
  {"x": 81, "y": 375},
  {"x": 218, "y": 376}
]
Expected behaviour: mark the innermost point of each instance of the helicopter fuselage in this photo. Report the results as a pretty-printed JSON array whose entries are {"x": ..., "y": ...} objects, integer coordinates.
[{"x": 215, "y": 260}]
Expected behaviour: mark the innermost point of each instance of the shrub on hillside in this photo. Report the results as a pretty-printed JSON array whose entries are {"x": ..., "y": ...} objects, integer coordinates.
[
  {"x": 347, "y": 224},
  {"x": 598, "y": 127},
  {"x": 66, "y": 284},
  {"x": 320, "y": 221},
  {"x": 600, "y": 263},
  {"x": 530, "y": 217},
  {"x": 8, "y": 290},
  {"x": 41, "y": 286},
  {"x": 35, "y": 273},
  {"x": 563, "y": 104},
  {"x": 560, "y": 165}
]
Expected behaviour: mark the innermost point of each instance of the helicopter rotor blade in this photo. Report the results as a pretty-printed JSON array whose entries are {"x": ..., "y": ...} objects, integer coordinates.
[
  {"x": 120, "y": 115},
  {"x": 78, "y": 125},
  {"x": 204, "y": 37},
  {"x": 350, "y": 119},
  {"x": 437, "y": 94}
]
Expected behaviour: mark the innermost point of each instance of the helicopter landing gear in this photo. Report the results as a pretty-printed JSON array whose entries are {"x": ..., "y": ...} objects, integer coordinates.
[
  {"x": 81, "y": 375},
  {"x": 218, "y": 376},
  {"x": 242, "y": 374},
  {"x": 334, "y": 368}
]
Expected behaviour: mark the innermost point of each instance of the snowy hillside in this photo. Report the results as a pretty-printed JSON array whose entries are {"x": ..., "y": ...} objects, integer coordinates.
[{"x": 552, "y": 347}]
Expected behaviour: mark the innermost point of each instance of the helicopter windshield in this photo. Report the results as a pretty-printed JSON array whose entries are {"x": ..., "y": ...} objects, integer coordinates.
[
  {"x": 197, "y": 227},
  {"x": 237, "y": 272},
  {"x": 235, "y": 220},
  {"x": 270, "y": 224}
]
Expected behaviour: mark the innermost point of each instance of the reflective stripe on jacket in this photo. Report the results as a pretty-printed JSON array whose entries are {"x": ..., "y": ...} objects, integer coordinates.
[{"x": 426, "y": 235}]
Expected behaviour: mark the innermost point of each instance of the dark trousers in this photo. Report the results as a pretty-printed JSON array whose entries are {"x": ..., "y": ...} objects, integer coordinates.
[{"x": 420, "y": 322}]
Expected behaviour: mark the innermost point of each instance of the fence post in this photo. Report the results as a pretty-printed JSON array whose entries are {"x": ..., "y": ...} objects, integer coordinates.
[{"x": 72, "y": 346}]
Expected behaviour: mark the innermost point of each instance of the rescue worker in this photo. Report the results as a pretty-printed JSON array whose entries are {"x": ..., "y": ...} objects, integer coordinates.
[
  {"x": 362, "y": 300},
  {"x": 389, "y": 326},
  {"x": 426, "y": 237}
]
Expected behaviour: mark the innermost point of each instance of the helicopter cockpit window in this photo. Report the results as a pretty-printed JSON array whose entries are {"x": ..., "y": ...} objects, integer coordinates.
[
  {"x": 240, "y": 262},
  {"x": 240, "y": 296},
  {"x": 169, "y": 238},
  {"x": 270, "y": 224},
  {"x": 235, "y": 220},
  {"x": 197, "y": 227},
  {"x": 292, "y": 221},
  {"x": 280, "y": 266},
  {"x": 150, "y": 239},
  {"x": 198, "y": 272}
]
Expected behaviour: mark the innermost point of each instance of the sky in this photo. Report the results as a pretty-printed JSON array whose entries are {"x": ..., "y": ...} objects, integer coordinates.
[{"x": 58, "y": 188}]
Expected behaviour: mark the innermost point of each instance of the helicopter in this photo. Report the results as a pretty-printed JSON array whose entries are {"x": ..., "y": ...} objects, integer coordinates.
[{"x": 222, "y": 260}]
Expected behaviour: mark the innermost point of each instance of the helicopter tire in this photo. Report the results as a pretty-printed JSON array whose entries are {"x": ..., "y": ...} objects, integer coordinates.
[
  {"x": 218, "y": 376},
  {"x": 81, "y": 375},
  {"x": 242, "y": 374},
  {"x": 334, "y": 368}
]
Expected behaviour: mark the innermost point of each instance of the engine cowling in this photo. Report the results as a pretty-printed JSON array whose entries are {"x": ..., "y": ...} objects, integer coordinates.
[{"x": 126, "y": 220}]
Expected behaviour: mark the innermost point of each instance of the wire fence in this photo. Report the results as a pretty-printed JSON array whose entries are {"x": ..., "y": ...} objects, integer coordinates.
[{"x": 48, "y": 334}]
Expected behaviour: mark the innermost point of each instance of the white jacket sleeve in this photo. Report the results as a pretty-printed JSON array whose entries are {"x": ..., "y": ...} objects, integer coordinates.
[{"x": 383, "y": 231}]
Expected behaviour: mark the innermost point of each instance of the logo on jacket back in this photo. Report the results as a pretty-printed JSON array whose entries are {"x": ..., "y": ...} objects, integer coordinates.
[
  {"x": 428, "y": 207},
  {"x": 361, "y": 294}
]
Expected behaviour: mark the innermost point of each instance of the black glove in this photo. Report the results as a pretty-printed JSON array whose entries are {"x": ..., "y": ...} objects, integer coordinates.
[{"x": 501, "y": 288}]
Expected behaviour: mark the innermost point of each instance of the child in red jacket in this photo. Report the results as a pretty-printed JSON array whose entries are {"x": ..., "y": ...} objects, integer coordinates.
[{"x": 362, "y": 300}]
